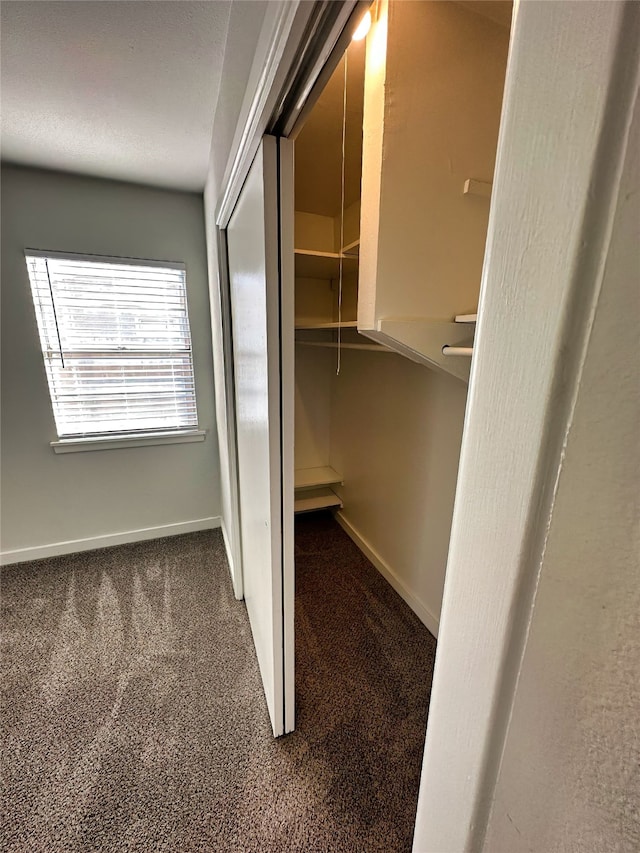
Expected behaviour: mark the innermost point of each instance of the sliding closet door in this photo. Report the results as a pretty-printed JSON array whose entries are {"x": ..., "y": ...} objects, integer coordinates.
[{"x": 260, "y": 257}]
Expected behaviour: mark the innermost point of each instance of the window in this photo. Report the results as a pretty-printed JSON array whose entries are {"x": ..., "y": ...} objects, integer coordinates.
[{"x": 116, "y": 344}]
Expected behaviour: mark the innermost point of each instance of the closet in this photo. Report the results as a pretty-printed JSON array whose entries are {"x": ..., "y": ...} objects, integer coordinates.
[
  {"x": 434, "y": 83},
  {"x": 328, "y": 168},
  {"x": 393, "y": 178}
]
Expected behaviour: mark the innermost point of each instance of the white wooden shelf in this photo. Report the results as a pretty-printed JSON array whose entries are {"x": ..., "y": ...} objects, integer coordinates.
[
  {"x": 423, "y": 340},
  {"x": 316, "y": 499},
  {"x": 352, "y": 249},
  {"x": 312, "y": 264},
  {"x": 466, "y": 318},
  {"x": 310, "y": 478},
  {"x": 346, "y": 324},
  {"x": 481, "y": 188}
]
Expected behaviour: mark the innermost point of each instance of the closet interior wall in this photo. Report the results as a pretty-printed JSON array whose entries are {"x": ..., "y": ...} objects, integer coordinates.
[{"x": 390, "y": 428}]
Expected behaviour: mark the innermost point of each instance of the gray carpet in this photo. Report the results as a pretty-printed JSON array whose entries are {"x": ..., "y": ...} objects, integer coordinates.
[{"x": 133, "y": 717}]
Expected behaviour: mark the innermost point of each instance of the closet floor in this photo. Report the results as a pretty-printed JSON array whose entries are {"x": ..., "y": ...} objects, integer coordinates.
[{"x": 364, "y": 665}]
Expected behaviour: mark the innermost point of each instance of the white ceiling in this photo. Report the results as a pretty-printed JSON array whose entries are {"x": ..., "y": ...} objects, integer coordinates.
[{"x": 122, "y": 89}]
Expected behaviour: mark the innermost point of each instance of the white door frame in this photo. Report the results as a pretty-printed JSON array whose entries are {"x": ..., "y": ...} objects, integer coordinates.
[
  {"x": 280, "y": 36},
  {"x": 287, "y": 419},
  {"x": 283, "y": 33},
  {"x": 570, "y": 88}
]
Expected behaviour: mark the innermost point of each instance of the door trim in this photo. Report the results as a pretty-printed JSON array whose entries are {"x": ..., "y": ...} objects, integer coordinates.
[
  {"x": 233, "y": 537},
  {"x": 281, "y": 34},
  {"x": 571, "y": 81},
  {"x": 300, "y": 44},
  {"x": 287, "y": 416}
]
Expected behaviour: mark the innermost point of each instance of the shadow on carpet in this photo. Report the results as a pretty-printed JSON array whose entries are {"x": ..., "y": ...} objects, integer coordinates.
[{"x": 133, "y": 716}]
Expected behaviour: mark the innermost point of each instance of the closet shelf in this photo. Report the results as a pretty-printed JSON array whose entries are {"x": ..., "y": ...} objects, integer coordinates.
[
  {"x": 316, "y": 499},
  {"x": 352, "y": 249},
  {"x": 466, "y": 318},
  {"x": 481, "y": 188},
  {"x": 311, "y": 478},
  {"x": 346, "y": 324},
  {"x": 312, "y": 264},
  {"x": 423, "y": 340}
]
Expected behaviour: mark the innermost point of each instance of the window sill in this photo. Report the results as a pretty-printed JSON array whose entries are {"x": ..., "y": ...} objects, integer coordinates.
[{"x": 78, "y": 445}]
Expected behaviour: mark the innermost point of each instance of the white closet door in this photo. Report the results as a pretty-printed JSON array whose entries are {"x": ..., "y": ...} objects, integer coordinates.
[{"x": 260, "y": 241}]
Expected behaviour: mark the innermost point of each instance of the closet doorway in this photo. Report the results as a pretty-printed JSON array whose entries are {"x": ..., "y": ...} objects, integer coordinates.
[
  {"x": 393, "y": 175},
  {"x": 328, "y": 174},
  {"x": 376, "y": 265}
]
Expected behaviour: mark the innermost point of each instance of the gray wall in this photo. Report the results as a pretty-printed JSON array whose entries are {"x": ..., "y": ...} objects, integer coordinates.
[{"x": 49, "y": 498}]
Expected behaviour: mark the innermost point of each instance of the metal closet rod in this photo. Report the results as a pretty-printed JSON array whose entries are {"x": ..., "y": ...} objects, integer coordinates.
[{"x": 457, "y": 351}]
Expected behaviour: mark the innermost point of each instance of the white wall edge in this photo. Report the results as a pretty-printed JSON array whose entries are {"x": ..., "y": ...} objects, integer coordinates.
[
  {"x": 74, "y": 546},
  {"x": 229, "y": 552},
  {"x": 571, "y": 76},
  {"x": 279, "y": 38},
  {"x": 428, "y": 619}
]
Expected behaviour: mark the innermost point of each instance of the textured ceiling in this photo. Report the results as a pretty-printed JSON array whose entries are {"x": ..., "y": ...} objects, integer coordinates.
[{"x": 116, "y": 89}]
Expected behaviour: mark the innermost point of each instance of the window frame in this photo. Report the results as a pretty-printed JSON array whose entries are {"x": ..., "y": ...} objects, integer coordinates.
[{"x": 124, "y": 438}]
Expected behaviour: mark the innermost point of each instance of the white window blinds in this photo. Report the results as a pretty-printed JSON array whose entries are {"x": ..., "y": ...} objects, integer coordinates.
[{"x": 116, "y": 344}]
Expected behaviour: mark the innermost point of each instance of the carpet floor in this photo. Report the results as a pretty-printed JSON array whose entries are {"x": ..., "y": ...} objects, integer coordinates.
[{"x": 133, "y": 717}]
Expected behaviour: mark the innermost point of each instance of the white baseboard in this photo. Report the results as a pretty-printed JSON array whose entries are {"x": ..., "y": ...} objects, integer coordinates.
[
  {"x": 423, "y": 613},
  {"x": 73, "y": 546}
]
